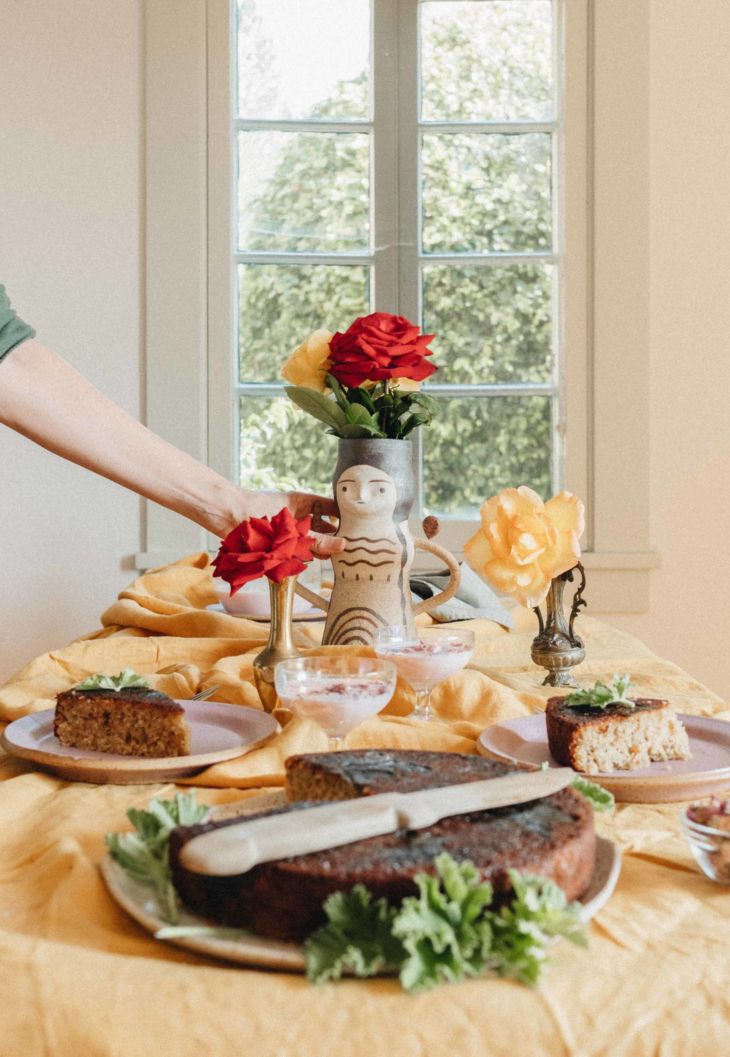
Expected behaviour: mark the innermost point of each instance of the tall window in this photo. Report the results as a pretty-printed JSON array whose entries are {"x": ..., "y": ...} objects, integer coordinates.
[{"x": 400, "y": 156}]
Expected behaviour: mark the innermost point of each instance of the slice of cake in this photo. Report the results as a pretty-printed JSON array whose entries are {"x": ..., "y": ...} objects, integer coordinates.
[
  {"x": 129, "y": 718},
  {"x": 553, "y": 836},
  {"x": 594, "y": 734}
]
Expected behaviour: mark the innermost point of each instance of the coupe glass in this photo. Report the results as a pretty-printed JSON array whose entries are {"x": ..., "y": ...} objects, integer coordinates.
[
  {"x": 425, "y": 658},
  {"x": 338, "y": 693}
]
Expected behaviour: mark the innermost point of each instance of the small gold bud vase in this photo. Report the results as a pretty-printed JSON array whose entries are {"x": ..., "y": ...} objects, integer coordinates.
[
  {"x": 280, "y": 646},
  {"x": 556, "y": 646}
]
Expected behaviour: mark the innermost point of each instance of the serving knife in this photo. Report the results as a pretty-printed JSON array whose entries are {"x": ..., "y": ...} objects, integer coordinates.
[{"x": 234, "y": 849}]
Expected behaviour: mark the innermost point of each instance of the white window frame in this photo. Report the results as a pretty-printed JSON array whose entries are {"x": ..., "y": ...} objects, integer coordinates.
[{"x": 601, "y": 250}]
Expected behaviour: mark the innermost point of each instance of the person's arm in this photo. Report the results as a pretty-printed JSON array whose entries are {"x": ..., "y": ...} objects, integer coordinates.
[{"x": 45, "y": 399}]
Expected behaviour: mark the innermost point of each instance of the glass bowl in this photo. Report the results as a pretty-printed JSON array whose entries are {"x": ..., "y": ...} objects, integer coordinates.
[
  {"x": 338, "y": 693},
  {"x": 709, "y": 843}
]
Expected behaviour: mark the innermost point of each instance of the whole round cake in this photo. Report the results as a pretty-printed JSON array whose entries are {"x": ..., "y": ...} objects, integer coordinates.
[{"x": 553, "y": 837}]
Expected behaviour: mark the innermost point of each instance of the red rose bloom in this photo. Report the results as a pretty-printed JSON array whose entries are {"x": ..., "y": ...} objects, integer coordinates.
[
  {"x": 276, "y": 547},
  {"x": 377, "y": 347}
]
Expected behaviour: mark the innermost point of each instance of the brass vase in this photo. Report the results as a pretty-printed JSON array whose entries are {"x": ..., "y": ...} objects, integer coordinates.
[
  {"x": 280, "y": 646},
  {"x": 556, "y": 645}
]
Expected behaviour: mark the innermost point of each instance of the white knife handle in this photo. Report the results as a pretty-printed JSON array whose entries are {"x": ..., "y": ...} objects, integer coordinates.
[{"x": 237, "y": 848}]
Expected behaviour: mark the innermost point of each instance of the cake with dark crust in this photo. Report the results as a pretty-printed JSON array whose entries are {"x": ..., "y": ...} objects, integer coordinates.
[
  {"x": 364, "y": 772},
  {"x": 134, "y": 721},
  {"x": 618, "y": 737},
  {"x": 553, "y": 836}
]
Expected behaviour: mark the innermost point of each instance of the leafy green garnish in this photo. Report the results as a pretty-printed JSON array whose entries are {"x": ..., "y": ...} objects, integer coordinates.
[
  {"x": 144, "y": 854},
  {"x": 523, "y": 929},
  {"x": 127, "y": 678},
  {"x": 357, "y": 937},
  {"x": 446, "y": 933},
  {"x": 600, "y": 798},
  {"x": 601, "y": 695}
]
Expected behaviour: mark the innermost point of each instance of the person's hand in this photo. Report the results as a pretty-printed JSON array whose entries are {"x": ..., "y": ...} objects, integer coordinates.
[{"x": 302, "y": 504}]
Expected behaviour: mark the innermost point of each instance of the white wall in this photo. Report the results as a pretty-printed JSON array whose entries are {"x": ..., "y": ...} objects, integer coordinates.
[
  {"x": 70, "y": 238},
  {"x": 71, "y": 257},
  {"x": 690, "y": 338}
]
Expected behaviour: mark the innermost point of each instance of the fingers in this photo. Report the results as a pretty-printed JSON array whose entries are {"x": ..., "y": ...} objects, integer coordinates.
[
  {"x": 321, "y": 506},
  {"x": 325, "y": 546}
]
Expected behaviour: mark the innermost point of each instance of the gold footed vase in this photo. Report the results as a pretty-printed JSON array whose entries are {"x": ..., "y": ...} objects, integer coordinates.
[
  {"x": 556, "y": 645},
  {"x": 280, "y": 646}
]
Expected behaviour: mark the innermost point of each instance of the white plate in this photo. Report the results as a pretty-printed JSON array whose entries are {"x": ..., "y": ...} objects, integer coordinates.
[
  {"x": 218, "y": 731},
  {"x": 524, "y": 741},
  {"x": 139, "y": 902},
  {"x": 311, "y": 613}
]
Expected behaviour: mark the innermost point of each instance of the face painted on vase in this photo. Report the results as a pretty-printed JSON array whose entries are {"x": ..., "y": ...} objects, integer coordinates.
[{"x": 366, "y": 492}]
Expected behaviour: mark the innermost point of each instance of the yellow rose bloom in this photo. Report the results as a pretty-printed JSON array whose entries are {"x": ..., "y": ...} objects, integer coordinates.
[
  {"x": 523, "y": 543},
  {"x": 307, "y": 365}
]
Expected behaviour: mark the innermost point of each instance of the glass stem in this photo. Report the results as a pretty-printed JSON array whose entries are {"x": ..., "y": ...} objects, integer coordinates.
[{"x": 423, "y": 705}]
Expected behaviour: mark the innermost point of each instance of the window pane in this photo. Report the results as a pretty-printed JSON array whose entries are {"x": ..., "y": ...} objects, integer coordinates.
[
  {"x": 486, "y": 62},
  {"x": 492, "y": 324},
  {"x": 280, "y": 305},
  {"x": 303, "y": 192},
  {"x": 303, "y": 60},
  {"x": 283, "y": 448},
  {"x": 486, "y": 193},
  {"x": 476, "y": 446}
]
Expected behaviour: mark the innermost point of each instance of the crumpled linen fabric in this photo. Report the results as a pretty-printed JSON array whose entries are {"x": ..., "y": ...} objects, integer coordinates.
[{"x": 79, "y": 977}]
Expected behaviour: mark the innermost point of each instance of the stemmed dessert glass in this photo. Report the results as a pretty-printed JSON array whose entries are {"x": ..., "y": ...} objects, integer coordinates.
[
  {"x": 338, "y": 693},
  {"x": 425, "y": 658}
]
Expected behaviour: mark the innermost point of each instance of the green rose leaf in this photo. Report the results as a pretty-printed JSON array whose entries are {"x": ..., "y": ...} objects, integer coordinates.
[{"x": 317, "y": 405}]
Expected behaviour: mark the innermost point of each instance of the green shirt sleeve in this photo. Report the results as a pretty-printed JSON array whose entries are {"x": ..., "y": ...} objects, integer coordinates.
[{"x": 12, "y": 329}]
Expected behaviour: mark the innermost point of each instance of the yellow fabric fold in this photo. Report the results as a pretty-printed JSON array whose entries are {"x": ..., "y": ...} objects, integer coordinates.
[{"x": 79, "y": 977}]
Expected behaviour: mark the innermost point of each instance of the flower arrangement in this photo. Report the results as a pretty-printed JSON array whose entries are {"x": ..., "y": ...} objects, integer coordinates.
[
  {"x": 364, "y": 382},
  {"x": 274, "y": 547},
  {"x": 523, "y": 543}
]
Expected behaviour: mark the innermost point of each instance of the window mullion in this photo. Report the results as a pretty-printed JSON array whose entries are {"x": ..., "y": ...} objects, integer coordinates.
[
  {"x": 409, "y": 192},
  {"x": 384, "y": 156}
]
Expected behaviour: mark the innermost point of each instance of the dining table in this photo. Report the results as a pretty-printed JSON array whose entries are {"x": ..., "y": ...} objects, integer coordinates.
[{"x": 80, "y": 978}]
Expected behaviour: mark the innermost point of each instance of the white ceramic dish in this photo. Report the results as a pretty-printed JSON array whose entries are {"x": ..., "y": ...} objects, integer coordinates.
[
  {"x": 524, "y": 741},
  {"x": 219, "y": 731}
]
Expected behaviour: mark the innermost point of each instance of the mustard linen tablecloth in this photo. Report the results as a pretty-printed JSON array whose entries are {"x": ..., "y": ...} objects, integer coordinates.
[{"x": 79, "y": 979}]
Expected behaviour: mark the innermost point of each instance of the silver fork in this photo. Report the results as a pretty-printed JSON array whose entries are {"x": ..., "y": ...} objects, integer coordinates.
[{"x": 202, "y": 695}]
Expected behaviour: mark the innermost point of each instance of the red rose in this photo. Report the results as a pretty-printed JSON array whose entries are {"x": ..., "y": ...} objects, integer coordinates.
[
  {"x": 276, "y": 547},
  {"x": 377, "y": 347}
]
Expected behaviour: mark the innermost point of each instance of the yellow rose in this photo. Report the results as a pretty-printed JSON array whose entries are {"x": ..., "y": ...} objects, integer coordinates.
[
  {"x": 307, "y": 365},
  {"x": 523, "y": 543}
]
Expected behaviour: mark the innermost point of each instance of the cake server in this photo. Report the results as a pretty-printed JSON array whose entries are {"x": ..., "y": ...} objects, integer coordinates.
[{"x": 235, "y": 849}]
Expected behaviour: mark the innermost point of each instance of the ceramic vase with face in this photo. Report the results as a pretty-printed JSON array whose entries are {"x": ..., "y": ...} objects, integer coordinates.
[{"x": 374, "y": 489}]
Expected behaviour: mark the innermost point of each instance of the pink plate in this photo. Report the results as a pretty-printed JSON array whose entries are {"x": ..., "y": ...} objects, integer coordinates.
[
  {"x": 707, "y": 771},
  {"x": 218, "y": 731}
]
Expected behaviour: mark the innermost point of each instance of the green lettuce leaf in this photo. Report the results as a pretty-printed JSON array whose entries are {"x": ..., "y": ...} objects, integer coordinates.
[
  {"x": 144, "y": 853},
  {"x": 444, "y": 930},
  {"x": 447, "y": 932},
  {"x": 600, "y": 798},
  {"x": 358, "y": 937},
  {"x": 126, "y": 679},
  {"x": 522, "y": 930}
]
